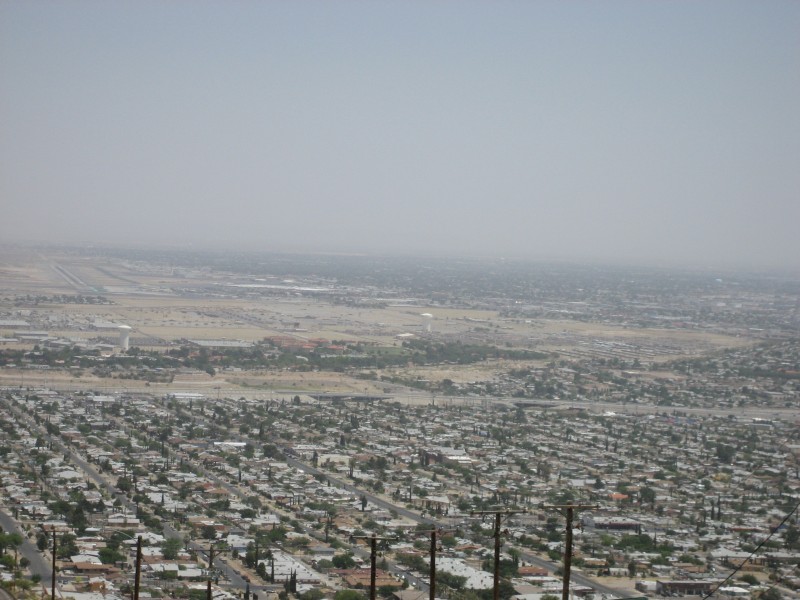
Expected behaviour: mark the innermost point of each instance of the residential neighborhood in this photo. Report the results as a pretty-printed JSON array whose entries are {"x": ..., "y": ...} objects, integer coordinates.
[
  {"x": 281, "y": 490},
  {"x": 320, "y": 431}
]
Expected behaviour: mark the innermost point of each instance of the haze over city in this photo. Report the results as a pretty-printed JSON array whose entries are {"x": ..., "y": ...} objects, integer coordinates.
[
  {"x": 402, "y": 300},
  {"x": 640, "y": 132}
]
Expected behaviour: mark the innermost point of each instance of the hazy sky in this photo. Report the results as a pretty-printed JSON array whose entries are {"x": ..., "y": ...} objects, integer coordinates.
[{"x": 647, "y": 131}]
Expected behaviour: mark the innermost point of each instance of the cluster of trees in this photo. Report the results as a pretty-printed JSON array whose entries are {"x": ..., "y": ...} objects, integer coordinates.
[
  {"x": 112, "y": 553},
  {"x": 9, "y": 542},
  {"x": 69, "y": 356},
  {"x": 644, "y": 543},
  {"x": 171, "y": 548},
  {"x": 421, "y": 352},
  {"x": 59, "y": 299},
  {"x": 426, "y": 352},
  {"x": 158, "y": 366},
  {"x": 74, "y": 510},
  {"x": 66, "y": 545}
]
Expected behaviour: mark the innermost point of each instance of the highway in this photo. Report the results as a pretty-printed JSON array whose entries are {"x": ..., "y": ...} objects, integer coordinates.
[{"x": 415, "y": 397}]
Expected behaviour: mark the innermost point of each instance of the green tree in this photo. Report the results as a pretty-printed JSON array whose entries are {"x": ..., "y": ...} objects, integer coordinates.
[
  {"x": 508, "y": 568},
  {"x": 343, "y": 561},
  {"x": 9, "y": 540},
  {"x": 261, "y": 569},
  {"x": 67, "y": 546},
  {"x": 78, "y": 520},
  {"x": 413, "y": 561},
  {"x": 348, "y": 595},
  {"x": 648, "y": 495},
  {"x": 171, "y": 547},
  {"x": 639, "y": 542},
  {"x": 455, "y": 582},
  {"x": 725, "y": 454},
  {"x": 110, "y": 556}
]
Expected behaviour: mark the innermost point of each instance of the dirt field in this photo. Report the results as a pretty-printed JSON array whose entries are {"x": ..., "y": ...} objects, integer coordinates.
[{"x": 163, "y": 307}]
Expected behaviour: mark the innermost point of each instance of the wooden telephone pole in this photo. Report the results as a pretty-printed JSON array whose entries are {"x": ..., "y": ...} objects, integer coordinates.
[
  {"x": 53, "y": 576},
  {"x": 373, "y": 542},
  {"x": 138, "y": 572},
  {"x": 211, "y": 570},
  {"x": 498, "y": 519},
  {"x": 569, "y": 515},
  {"x": 432, "y": 586}
]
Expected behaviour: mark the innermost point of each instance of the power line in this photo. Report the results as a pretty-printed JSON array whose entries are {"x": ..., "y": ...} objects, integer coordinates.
[
  {"x": 753, "y": 553},
  {"x": 783, "y": 444}
]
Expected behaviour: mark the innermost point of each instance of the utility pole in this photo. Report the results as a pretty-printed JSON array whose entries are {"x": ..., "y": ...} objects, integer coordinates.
[
  {"x": 569, "y": 515},
  {"x": 53, "y": 576},
  {"x": 498, "y": 519},
  {"x": 211, "y": 569},
  {"x": 373, "y": 542},
  {"x": 432, "y": 591},
  {"x": 432, "y": 586},
  {"x": 138, "y": 572},
  {"x": 138, "y": 568}
]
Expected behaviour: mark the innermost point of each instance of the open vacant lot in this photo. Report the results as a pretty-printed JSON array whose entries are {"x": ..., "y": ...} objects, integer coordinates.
[{"x": 80, "y": 299}]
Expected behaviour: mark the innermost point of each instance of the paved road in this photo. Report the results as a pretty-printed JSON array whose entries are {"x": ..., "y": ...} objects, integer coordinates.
[
  {"x": 527, "y": 556},
  {"x": 372, "y": 498},
  {"x": 416, "y": 517},
  {"x": 38, "y": 566},
  {"x": 235, "y": 578},
  {"x": 89, "y": 470},
  {"x": 4, "y": 595},
  {"x": 574, "y": 577},
  {"x": 414, "y": 396}
]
